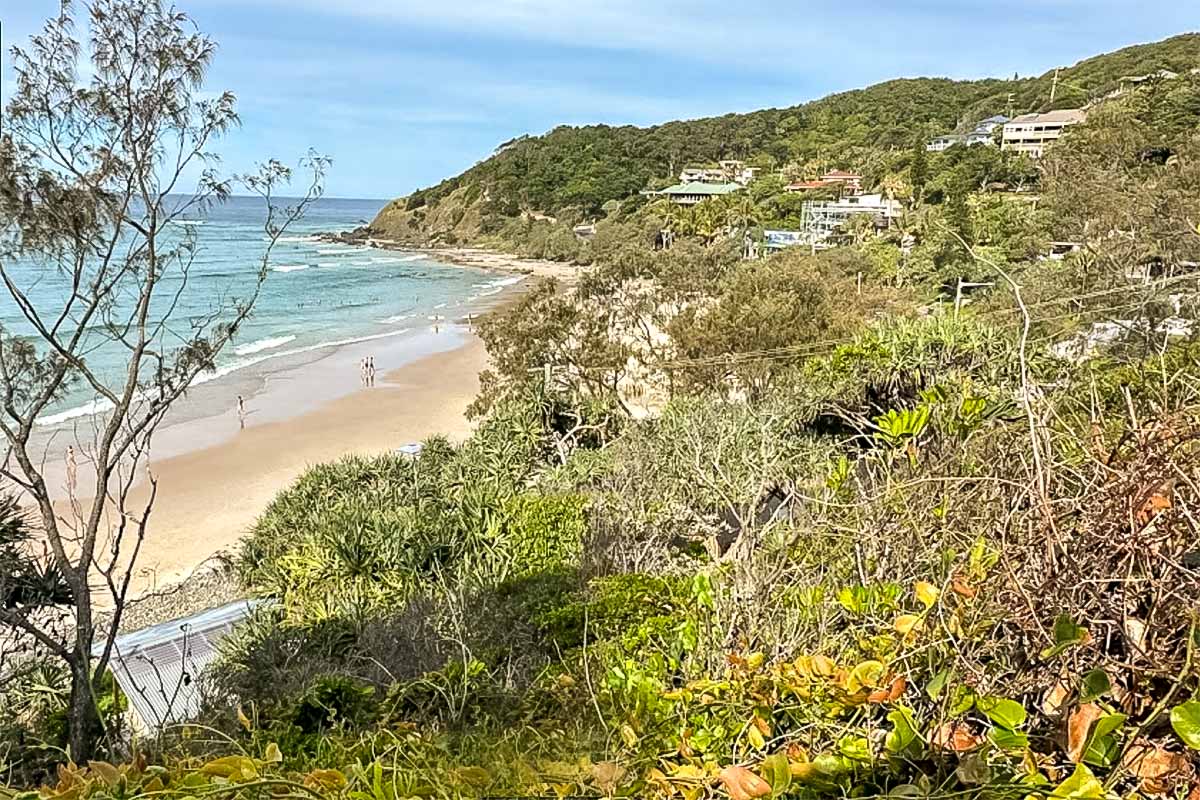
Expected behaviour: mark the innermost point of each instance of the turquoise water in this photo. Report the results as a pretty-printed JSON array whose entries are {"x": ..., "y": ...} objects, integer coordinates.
[{"x": 317, "y": 294}]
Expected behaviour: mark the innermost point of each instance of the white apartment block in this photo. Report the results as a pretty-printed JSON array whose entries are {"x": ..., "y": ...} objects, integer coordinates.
[{"x": 1031, "y": 133}]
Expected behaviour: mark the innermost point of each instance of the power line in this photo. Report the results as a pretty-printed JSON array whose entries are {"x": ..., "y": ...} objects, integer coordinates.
[{"x": 828, "y": 346}]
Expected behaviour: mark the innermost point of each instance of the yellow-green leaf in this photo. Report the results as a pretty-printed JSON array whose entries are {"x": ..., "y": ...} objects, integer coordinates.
[
  {"x": 1081, "y": 785},
  {"x": 1005, "y": 713},
  {"x": 777, "y": 772},
  {"x": 868, "y": 674},
  {"x": 629, "y": 736},
  {"x": 1185, "y": 719},
  {"x": 107, "y": 772},
  {"x": 755, "y": 737},
  {"x": 325, "y": 779},
  {"x": 243, "y": 719},
  {"x": 926, "y": 593}
]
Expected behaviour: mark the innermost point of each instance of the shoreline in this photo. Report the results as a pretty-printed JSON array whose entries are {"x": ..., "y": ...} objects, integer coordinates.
[
  {"x": 441, "y": 385},
  {"x": 214, "y": 477},
  {"x": 484, "y": 258},
  {"x": 215, "y": 473},
  {"x": 464, "y": 256},
  {"x": 208, "y": 498}
]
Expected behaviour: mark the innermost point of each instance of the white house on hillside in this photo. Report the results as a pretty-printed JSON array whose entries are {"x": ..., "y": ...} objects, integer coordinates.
[
  {"x": 728, "y": 171},
  {"x": 823, "y": 219},
  {"x": 983, "y": 133},
  {"x": 1031, "y": 133}
]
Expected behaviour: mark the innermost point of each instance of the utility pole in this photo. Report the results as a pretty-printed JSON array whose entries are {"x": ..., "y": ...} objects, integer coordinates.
[
  {"x": 1054, "y": 86},
  {"x": 1010, "y": 105}
]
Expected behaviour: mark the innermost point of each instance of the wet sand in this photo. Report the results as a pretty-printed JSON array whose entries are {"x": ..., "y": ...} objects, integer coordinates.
[
  {"x": 215, "y": 473},
  {"x": 208, "y": 498}
]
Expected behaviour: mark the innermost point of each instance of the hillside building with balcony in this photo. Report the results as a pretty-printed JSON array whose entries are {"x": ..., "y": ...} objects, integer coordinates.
[
  {"x": 823, "y": 221},
  {"x": 1032, "y": 133}
]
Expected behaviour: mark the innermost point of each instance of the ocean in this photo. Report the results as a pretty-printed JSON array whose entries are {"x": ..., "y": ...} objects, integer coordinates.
[{"x": 317, "y": 296}]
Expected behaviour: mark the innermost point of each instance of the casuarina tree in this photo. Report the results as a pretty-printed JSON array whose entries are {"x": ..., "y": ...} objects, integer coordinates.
[{"x": 106, "y": 144}]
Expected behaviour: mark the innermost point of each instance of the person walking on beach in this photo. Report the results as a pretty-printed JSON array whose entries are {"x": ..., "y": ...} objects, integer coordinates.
[
  {"x": 241, "y": 412},
  {"x": 370, "y": 370},
  {"x": 72, "y": 470}
]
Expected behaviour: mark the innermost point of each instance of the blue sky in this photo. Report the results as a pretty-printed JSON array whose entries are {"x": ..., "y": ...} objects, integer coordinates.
[{"x": 401, "y": 93}]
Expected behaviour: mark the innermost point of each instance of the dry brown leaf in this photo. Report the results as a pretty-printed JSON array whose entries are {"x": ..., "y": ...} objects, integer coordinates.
[
  {"x": 889, "y": 694},
  {"x": 607, "y": 774},
  {"x": 960, "y": 587},
  {"x": 742, "y": 784},
  {"x": 1158, "y": 502},
  {"x": 1079, "y": 725},
  {"x": 1055, "y": 697},
  {"x": 1158, "y": 769},
  {"x": 955, "y": 737}
]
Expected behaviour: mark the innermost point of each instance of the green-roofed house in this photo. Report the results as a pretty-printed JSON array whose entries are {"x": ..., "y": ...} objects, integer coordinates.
[{"x": 688, "y": 194}]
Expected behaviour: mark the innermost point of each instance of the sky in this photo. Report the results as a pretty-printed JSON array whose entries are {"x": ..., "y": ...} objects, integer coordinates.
[{"x": 403, "y": 93}]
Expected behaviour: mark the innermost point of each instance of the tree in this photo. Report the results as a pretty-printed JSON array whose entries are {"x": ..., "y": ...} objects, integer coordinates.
[
  {"x": 762, "y": 306},
  {"x": 91, "y": 176},
  {"x": 958, "y": 217},
  {"x": 918, "y": 170},
  {"x": 742, "y": 213}
]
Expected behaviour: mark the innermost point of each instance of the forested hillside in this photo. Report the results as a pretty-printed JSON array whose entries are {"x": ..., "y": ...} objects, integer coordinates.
[{"x": 574, "y": 171}]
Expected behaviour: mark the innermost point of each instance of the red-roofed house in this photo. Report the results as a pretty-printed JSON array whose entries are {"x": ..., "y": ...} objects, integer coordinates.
[
  {"x": 847, "y": 182},
  {"x": 852, "y": 182},
  {"x": 801, "y": 186}
]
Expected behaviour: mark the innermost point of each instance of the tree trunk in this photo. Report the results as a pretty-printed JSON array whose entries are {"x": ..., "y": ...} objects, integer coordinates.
[{"x": 84, "y": 727}]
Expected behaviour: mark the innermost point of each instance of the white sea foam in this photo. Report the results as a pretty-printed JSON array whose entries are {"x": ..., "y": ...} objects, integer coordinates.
[
  {"x": 263, "y": 344},
  {"x": 338, "y": 251},
  {"x": 188, "y": 223},
  {"x": 97, "y": 406},
  {"x": 293, "y": 239},
  {"x": 100, "y": 405},
  {"x": 328, "y": 264},
  {"x": 289, "y": 267},
  {"x": 395, "y": 260},
  {"x": 500, "y": 283},
  {"x": 236, "y": 366},
  {"x": 394, "y": 319}
]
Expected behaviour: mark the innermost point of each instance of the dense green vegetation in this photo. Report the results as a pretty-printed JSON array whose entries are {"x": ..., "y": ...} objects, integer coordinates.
[
  {"x": 809, "y": 526},
  {"x": 576, "y": 173}
]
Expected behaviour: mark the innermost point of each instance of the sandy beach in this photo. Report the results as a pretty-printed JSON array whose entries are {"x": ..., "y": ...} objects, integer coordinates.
[
  {"x": 209, "y": 497},
  {"x": 481, "y": 258},
  {"x": 216, "y": 472},
  {"x": 503, "y": 262}
]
